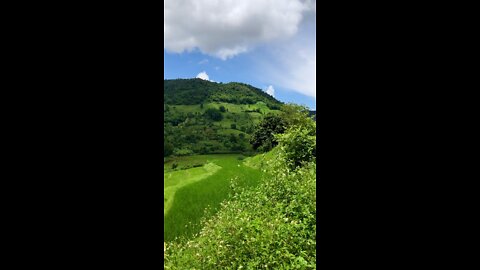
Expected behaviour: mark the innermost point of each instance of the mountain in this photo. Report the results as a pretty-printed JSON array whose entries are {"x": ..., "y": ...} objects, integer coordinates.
[
  {"x": 197, "y": 91},
  {"x": 202, "y": 117}
]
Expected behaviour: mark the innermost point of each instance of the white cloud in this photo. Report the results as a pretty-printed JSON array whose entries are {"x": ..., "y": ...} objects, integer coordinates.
[
  {"x": 270, "y": 90},
  {"x": 292, "y": 64},
  {"x": 203, "y": 75},
  {"x": 230, "y": 27}
]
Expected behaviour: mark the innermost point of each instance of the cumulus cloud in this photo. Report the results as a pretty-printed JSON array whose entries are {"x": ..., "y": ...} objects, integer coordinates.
[
  {"x": 229, "y": 27},
  {"x": 203, "y": 75},
  {"x": 270, "y": 90},
  {"x": 292, "y": 64}
]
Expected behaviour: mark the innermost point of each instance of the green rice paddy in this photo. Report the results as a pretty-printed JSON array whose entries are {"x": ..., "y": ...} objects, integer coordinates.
[{"x": 193, "y": 193}]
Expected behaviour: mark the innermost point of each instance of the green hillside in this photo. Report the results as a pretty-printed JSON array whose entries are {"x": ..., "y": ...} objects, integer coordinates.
[
  {"x": 197, "y": 91},
  {"x": 203, "y": 117}
]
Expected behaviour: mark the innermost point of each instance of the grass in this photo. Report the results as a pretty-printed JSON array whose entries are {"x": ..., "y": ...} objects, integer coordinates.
[
  {"x": 190, "y": 192},
  {"x": 177, "y": 179},
  {"x": 272, "y": 226}
]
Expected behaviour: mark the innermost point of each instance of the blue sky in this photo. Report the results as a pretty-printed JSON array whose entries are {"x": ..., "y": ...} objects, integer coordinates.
[{"x": 267, "y": 44}]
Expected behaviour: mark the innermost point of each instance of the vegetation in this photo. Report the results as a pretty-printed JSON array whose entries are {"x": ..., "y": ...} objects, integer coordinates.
[
  {"x": 214, "y": 114},
  {"x": 237, "y": 211},
  {"x": 201, "y": 116},
  {"x": 272, "y": 225},
  {"x": 198, "y": 91},
  {"x": 188, "y": 192},
  {"x": 263, "y": 137}
]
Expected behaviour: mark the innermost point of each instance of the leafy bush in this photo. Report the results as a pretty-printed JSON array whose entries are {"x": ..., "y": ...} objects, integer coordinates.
[{"x": 298, "y": 145}]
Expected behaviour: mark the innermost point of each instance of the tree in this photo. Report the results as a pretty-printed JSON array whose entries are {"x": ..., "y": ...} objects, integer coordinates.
[
  {"x": 295, "y": 115},
  {"x": 214, "y": 114},
  {"x": 263, "y": 137},
  {"x": 233, "y": 139},
  {"x": 233, "y": 126},
  {"x": 167, "y": 149}
]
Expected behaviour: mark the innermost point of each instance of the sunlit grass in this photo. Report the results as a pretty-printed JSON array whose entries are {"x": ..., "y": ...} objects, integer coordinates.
[{"x": 190, "y": 192}]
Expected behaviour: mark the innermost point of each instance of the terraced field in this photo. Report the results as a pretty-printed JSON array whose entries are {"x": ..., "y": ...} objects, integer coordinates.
[{"x": 188, "y": 192}]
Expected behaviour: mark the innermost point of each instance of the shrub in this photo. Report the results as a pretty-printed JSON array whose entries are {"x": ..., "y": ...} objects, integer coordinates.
[{"x": 298, "y": 145}]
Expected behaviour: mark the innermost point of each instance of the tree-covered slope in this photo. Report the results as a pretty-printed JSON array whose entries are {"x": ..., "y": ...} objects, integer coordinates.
[
  {"x": 202, "y": 117},
  {"x": 197, "y": 91}
]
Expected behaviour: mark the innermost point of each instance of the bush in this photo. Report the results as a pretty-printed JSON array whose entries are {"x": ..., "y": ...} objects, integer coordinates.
[
  {"x": 298, "y": 145},
  {"x": 174, "y": 165}
]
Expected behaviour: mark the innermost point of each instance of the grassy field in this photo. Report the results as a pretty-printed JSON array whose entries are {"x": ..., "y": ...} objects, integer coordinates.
[{"x": 190, "y": 191}]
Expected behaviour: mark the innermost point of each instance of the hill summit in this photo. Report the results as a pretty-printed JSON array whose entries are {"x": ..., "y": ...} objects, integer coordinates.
[{"x": 198, "y": 91}]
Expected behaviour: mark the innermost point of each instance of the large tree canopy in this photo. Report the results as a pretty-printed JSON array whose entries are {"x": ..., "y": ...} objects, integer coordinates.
[{"x": 263, "y": 137}]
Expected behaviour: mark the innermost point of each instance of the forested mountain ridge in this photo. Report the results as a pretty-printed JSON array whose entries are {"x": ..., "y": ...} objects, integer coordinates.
[{"x": 197, "y": 91}]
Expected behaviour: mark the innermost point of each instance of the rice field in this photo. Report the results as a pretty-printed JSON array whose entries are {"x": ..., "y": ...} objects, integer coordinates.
[{"x": 193, "y": 193}]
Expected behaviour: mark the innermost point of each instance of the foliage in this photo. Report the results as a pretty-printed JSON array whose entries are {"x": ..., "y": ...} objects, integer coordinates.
[
  {"x": 214, "y": 114},
  {"x": 182, "y": 152},
  {"x": 187, "y": 126},
  {"x": 263, "y": 136},
  {"x": 298, "y": 144},
  {"x": 190, "y": 119},
  {"x": 167, "y": 149},
  {"x": 295, "y": 115},
  {"x": 272, "y": 226},
  {"x": 197, "y": 91},
  {"x": 188, "y": 192}
]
